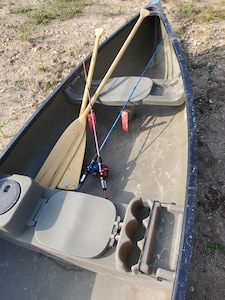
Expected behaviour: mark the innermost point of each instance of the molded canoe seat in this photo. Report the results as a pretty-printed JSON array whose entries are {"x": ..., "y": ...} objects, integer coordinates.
[
  {"x": 168, "y": 92},
  {"x": 76, "y": 224},
  {"x": 117, "y": 91}
]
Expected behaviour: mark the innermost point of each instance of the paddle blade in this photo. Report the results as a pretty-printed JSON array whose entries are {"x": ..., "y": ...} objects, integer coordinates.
[
  {"x": 59, "y": 158},
  {"x": 71, "y": 176}
]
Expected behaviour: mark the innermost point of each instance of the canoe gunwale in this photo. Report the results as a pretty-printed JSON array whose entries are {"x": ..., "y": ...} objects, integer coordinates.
[{"x": 184, "y": 259}]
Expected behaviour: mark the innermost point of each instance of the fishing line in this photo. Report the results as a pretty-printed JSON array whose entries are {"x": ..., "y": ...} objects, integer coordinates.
[
  {"x": 129, "y": 98},
  {"x": 93, "y": 121},
  {"x": 92, "y": 164}
]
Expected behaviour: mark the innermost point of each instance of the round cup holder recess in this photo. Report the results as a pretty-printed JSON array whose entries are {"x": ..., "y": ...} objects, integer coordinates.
[
  {"x": 139, "y": 211},
  {"x": 9, "y": 194}
]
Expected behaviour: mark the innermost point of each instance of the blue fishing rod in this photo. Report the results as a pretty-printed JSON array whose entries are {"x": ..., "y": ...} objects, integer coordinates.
[{"x": 92, "y": 168}]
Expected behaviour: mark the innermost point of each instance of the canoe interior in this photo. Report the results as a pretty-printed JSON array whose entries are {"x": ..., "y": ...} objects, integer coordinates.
[
  {"x": 46, "y": 127},
  {"x": 149, "y": 161}
]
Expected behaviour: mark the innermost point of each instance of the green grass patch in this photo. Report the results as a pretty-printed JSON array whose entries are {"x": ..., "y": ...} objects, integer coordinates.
[
  {"x": 51, "y": 10},
  {"x": 2, "y": 130},
  {"x": 48, "y": 85},
  {"x": 207, "y": 14},
  {"x": 65, "y": 10},
  {"x": 192, "y": 12},
  {"x": 41, "y": 16},
  {"x": 19, "y": 84},
  {"x": 22, "y": 10},
  {"x": 187, "y": 11},
  {"x": 25, "y": 32},
  {"x": 113, "y": 13},
  {"x": 213, "y": 246},
  {"x": 41, "y": 68},
  {"x": 219, "y": 14}
]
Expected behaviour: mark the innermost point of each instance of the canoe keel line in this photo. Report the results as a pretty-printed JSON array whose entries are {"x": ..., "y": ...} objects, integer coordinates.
[{"x": 142, "y": 236}]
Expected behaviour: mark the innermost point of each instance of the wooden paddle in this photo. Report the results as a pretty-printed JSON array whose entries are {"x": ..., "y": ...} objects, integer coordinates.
[
  {"x": 98, "y": 33},
  {"x": 74, "y": 136},
  {"x": 68, "y": 181}
]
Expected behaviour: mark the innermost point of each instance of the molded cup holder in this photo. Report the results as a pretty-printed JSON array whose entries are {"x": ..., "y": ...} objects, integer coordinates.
[
  {"x": 128, "y": 255},
  {"x": 133, "y": 231},
  {"x": 139, "y": 211},
  {"x": 149, "y": 239},
  {"x": 131, "y": 227}
]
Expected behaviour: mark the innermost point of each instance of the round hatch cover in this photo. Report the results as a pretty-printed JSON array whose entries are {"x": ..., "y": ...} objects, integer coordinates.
[{"x": 9, "y": 194}]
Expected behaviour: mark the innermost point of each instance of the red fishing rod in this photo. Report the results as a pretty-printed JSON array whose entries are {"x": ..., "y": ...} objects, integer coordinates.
[
  {"x": 92, "y": 125},
  {"x": 91, "y": 168}
]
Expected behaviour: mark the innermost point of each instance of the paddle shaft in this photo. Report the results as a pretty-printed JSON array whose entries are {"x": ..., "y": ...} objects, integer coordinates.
[{"x": 98, "y": 33}]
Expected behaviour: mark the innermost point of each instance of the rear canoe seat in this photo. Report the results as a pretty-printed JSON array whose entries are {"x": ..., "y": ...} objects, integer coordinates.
[{"x": 86, "y": 226}]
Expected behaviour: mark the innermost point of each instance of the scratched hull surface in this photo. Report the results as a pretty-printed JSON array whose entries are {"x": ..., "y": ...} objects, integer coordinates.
[{"x": 136, "y": 244}]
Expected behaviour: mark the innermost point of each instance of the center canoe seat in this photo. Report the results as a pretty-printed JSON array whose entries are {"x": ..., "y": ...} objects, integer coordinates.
[
  {"x": 119, "y": 90},
  {"x": 132, "y": 90},
  {"x": 116, "y": 91},
  {"x": 76, "y": 224}
]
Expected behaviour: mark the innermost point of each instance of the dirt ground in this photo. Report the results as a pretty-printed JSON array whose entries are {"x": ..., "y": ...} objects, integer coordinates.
[{"x": 35, "y": 59}]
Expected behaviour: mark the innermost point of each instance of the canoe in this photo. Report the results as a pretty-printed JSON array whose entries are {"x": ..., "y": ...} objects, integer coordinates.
[{"x": 129, "y": 221}]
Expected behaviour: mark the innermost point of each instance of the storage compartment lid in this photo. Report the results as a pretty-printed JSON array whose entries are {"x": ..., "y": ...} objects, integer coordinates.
[{"x": 76, "y": 223}]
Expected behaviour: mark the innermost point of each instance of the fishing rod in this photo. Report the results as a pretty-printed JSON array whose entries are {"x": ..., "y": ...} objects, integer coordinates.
[
  {"x": 92, "y": 126},
  {"x": 98, "y": 159},
  {"x": 92, "y": 168}
]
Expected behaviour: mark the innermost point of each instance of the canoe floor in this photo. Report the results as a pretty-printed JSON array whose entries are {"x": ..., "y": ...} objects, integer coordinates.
[{"x": 149, "y": 161}]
